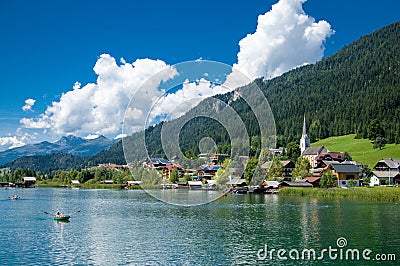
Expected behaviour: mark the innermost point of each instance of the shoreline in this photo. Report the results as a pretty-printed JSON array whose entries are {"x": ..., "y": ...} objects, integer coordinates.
[{"x": 382, "y": 194}]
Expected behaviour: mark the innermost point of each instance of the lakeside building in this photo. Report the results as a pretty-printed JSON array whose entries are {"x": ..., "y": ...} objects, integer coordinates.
[
  {"x": 386, "y": 172},
  {"x": 288, "y": 167},
  {"x": 344, "y": 173},
  {"x": 28, "y": 181},
  {"x": 166, "y": 171},
  {"x": 156, "y": 163},
  {"x": 313, "y": 181},
  {"x": 74, "y": 182},
  {"x": 298, "y": 183},
  {"x": 208, "y": 171}
]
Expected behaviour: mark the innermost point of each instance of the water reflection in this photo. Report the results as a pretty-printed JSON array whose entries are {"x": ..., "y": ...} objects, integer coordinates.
[{"x": 130, "y": 227}]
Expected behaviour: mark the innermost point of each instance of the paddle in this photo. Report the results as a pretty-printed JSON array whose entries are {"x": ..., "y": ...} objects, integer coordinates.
[{"x": 75, "y": 212}]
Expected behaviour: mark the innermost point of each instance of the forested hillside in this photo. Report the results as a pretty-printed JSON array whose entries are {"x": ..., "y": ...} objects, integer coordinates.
[
  {"x": 339, "y": 95},
  {"x": 49, "y": 163},
  {"x": 343, "y": 93}
]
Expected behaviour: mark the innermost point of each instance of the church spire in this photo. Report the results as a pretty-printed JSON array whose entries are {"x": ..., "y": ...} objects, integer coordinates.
[
  {"x": 304, "y": 126},
  {"x": 304, "y": 141}
]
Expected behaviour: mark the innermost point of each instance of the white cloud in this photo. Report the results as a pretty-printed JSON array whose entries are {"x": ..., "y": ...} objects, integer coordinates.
[
  {"x": 120, "y": 136},
  {"x": 98, "y": 108},
  {"x": 11, "y": 142},
  {"x": 92, "y": 136},
  {"x": 28, "y": 104},
  {"x": 102, "y": 107},
  {"x": 20, "y": 138},
  {"x": 40, "y": 123},
  {"x": 176, "y": 104},
  {"x": 77, "y": 85},
  {"x": 285, "y": 38}
]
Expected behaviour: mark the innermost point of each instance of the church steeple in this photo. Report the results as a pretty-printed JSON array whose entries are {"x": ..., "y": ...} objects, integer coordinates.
[{"x": 304, "y": 141}]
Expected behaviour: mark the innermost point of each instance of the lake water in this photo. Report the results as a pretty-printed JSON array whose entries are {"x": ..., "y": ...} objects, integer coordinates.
[{"x": 132, "y": 228}]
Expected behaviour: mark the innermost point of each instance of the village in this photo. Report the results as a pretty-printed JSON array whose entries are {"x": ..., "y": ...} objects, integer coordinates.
[
  {"x": 322, "y": 163},
  {"x": 315, "y": 167}
]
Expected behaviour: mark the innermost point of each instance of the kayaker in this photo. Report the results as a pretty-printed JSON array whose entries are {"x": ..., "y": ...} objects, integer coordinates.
[{"x": 57, "y": 214}]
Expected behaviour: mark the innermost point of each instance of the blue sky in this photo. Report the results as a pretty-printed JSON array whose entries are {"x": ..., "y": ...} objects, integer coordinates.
[{"x": 47, "y": 46}]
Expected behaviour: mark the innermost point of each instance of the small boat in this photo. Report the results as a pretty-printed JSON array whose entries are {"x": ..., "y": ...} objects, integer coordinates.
[
  {"x": 13, "y": 197},
  {"x": 62, "y": 218}
]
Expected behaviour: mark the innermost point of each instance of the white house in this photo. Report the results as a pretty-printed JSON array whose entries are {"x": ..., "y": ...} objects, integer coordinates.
[
  {"x": 75, "y": 182},
  {"x": 386, "y": 172}
]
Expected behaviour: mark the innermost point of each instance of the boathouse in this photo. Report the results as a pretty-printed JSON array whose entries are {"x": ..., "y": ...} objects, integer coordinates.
[
  {"x": 29, "y": 181},
  {"x": 296, "y": 184}
]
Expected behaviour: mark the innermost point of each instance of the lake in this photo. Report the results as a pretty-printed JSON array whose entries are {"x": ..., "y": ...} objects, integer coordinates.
[{"x": 129, "y": 227}]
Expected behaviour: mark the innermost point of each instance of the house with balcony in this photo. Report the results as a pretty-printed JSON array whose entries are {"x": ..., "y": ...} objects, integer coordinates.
[
  {"x": 207, "y": 171},
  {"x": 386, "y": 172},
  {"x": 166, "y": 172}
]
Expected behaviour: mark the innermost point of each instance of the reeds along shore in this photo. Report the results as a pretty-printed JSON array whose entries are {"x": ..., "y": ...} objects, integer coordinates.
[{"x": 388, "y": 194}]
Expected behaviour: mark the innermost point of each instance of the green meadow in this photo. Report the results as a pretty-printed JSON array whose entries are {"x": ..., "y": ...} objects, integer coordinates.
[{"x": 360, "y": 150}]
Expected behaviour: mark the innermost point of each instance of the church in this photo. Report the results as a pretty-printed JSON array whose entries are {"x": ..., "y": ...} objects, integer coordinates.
[
  {"x": 321, "y": 160},
  {"x": 308, "y": 152}
]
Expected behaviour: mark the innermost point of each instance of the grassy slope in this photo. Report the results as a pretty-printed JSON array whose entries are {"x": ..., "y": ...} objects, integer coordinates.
[{"x": 360, "y": 150}]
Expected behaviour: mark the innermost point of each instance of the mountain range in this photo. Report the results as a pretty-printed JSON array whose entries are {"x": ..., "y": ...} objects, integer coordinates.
[
  {"x": 338, "y": 95},
  {"x": 67, "y": 144}
]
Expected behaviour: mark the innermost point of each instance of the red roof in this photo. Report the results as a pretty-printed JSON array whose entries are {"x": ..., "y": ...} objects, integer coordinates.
[
  {"x": 311, "y": 179},
  {"x": 172, "y": 167},
  {"x": 333, "y": 155}
]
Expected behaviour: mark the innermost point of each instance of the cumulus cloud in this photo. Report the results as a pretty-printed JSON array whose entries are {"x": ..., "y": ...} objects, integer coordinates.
[
  {"x": 10, "y": 142},
  {"x": 32, "y": 123},
  {"x": 176, "y": 104},
  {"x": 285, "y": 38},
  {"x": 18, "y": 139},
  {"x": 149, "y": 108},
  {"x": 98, "y": 108},
  {"x": 28, "y": 104},
  {"x": 103, "y": 107}
]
